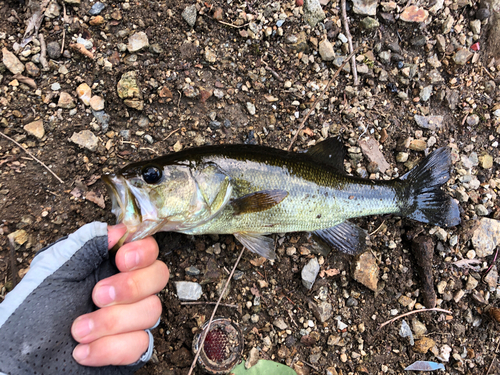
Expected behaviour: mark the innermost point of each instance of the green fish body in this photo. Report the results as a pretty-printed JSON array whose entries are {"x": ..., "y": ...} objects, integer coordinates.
[{"x": 251, "y": 191}]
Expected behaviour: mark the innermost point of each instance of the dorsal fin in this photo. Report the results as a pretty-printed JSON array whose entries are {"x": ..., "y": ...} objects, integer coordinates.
[{"x": 330, "y": 152}]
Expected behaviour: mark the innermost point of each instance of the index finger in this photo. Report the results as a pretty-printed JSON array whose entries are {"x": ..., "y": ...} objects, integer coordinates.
[{"x": 115, "y": 232}]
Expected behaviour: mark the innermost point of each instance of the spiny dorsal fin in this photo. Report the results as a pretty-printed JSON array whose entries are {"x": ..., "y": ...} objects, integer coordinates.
[
  {"x": 257, "y": 243},
  {"x": 330, "y": 152},
  {"x": 258, "y": 201}
]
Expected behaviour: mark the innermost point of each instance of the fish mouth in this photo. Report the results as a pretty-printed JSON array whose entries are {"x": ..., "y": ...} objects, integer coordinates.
[{"x": 132, "y": 207}]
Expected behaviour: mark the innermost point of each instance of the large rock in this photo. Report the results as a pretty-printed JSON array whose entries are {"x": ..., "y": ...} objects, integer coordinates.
[
  {"x": 414, "y": 14},
  {"x": 365, "y": 7},
  {"x": 486, "y": 237},
  {"x": 309, "y": 273},
  {"x": 188, "y": 291},
  {"x": 189, "y": 14},
  {"x": 11, "y": 62},
  {"x": 429, "y": 122},
  {"x": 128, "y": 89},
  {"x": 85, "y": 139},
  {"x": 84, "y": 93},
  {"x": 493, "y": 43},
  {"x": 137, "y": 42},
  {"x": 313, "y": 13},
  {"x": 326, "y": 50},
  {"x": 366, "y": 271},
  {"x": 35, "y": 129},
  {"x": 66, "y": 101},
  {"x": 371, "y": 150}
]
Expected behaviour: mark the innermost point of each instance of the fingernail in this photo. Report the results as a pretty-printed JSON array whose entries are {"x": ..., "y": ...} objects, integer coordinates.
[
  {"x": 105, "y": 295},
  {"x": 132, "y": 259},
  {"x": 82, "y": 327},
  {"x": 117, "y": 226},
  {"x": 81, "y": 352}
]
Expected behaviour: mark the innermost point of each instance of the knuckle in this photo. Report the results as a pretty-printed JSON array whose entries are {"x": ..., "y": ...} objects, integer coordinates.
[{"x": 132, "y": 287}]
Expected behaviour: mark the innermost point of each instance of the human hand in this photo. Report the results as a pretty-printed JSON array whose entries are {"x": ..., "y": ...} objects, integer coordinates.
[
  {"x": 115, "y": 334},
  {"x": 36, "y": 317}
]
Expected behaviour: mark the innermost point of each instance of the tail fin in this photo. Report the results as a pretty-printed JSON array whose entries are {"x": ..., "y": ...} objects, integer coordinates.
[{"x": 426, "y": 202}]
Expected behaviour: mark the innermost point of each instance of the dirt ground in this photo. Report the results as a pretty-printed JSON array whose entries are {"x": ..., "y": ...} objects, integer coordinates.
[{"x": 252, "y": 67}]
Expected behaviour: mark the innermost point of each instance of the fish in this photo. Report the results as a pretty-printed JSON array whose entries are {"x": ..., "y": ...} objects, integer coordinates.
[{"x": 252, "y": 191}]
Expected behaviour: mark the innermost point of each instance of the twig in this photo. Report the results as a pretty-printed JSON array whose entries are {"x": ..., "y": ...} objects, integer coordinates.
[
  {"x": 43, "y": 52},
  {"x": 491, "y": 365},
  {"x": 81, "y": 48},
  {"x": 202, "y": 341},
  {"x": 13, "y": 265},
  {"x": 149, "y": 149},
  {"x": 210, "y": 303},
  {"x": 413, "y": 312},
  {"x": 486, "y": 71},
  {"x": 493, "y": 360},
  {"x": 376, "y": 230},
  {"x": 311, "y": 366},
  {"x": 231, "y": 25},
  {"x": 64, "y": 29},
  {"x": 180, "y": 96},
  {"x": 301, "y": 126},
  {"x": 33, "y": 156},
  {"x": 172, "y": 132},
  {"x": 492, "y": 263},
  {"x": 349, "y": 39}
]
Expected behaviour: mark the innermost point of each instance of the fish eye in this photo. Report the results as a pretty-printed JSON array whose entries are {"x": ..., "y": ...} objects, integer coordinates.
[{"x": 151, "y": 174}]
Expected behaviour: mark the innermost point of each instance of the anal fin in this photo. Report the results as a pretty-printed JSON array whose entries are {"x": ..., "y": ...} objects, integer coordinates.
[
  {"x": 257, "y": 243},
  {"x": 345, "y": 237}
]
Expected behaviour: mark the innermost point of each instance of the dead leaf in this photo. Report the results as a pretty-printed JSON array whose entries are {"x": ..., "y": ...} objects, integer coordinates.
[
  {"x": 329, "y": 272},
  {"x": 93, "y": 179},
  {"x": 258, "y": 262},
  {"x": 467, "y": 263},
  {"x": 26, "y": 80},
  {"x": 81, "y": 48},
  {"x": 255, "y": 291},
  {"x": 271, "y": 98},
  {"x": 97, "y": 199},
  {"x": 76, "y": 192},
  {"x": 308, "y": 131}
]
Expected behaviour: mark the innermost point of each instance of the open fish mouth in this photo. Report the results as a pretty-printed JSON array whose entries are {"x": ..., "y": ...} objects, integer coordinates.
[{"x": 132, "y": 207}]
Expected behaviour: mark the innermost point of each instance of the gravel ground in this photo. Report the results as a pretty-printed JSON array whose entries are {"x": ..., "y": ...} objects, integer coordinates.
[{"x": 104, "y": 84}]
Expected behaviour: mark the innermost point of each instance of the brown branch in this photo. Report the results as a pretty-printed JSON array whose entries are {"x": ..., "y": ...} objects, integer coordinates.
[
  {"x": 301, "y": 126},
  {"x": 33, "y": 156},
  {"x": 206, "y": 330},
  {"x": 81, "y": 48},
  {"x": 64, "y": 28},
  {"x": 349, "y": 39},
  {"x": 413, "y": 312},
  {"x": 13, "y": 265},
  {"x": 43, "y": 52},
  {"x": 210, "y": 303}
]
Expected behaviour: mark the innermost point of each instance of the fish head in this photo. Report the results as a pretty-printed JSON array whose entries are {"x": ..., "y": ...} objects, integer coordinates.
[{"x": 151, "y": 197}]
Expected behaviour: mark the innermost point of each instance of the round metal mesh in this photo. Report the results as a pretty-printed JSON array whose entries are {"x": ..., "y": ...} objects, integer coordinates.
[
  {"x": 216, "y": 345},
  {"x": 222, "y": 348}
]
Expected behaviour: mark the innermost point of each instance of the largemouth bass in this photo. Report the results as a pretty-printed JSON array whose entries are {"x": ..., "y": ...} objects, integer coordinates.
[{"x": 252, "y": 191}]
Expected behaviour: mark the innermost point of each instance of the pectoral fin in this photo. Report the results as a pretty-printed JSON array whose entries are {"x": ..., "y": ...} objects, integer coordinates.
[
  {"x": 257, "y": 243},
  {"x": 258, "y": 201},
  {"x": 346, "y": 237}
]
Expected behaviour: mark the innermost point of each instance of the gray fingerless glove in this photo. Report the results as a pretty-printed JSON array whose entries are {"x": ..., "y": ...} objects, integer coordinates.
[{"x": 36, "y": 317}]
